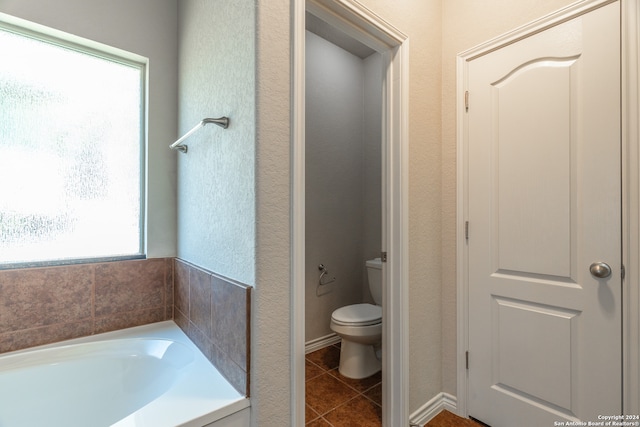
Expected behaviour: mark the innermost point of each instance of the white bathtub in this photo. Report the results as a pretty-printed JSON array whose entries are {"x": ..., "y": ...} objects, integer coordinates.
[{"x": 151, "y": 376}]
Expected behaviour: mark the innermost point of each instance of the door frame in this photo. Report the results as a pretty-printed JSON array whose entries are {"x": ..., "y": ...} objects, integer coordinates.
[
  {"x": 365, "y": 26},
  {"x": 630, "y": 119}
]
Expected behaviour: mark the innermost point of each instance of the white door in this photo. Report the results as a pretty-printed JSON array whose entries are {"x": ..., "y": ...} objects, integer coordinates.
[{"x": 544, "y": 204}]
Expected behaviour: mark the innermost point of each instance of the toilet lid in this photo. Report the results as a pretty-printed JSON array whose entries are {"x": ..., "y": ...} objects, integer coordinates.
[{"x": 358, "y": 314}]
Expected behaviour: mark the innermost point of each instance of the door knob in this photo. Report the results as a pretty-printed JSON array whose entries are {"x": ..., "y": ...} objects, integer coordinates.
[{"x": 600, "y": 270}]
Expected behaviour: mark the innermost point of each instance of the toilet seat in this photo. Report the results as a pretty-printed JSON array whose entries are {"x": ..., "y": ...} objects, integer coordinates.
[{"x": 357, "y": 315}]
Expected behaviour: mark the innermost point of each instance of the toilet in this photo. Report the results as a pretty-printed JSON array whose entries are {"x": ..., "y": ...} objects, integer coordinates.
[{"x": 360, "y": 327}]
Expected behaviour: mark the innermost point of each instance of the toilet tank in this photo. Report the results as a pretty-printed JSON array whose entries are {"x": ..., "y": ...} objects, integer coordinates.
[{"x": 374, "y": 274}]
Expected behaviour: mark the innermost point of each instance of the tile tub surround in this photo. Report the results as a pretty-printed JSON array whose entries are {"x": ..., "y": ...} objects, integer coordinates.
[
  {"x": 50, "y": 304},
  {"x": 215, "y": 313}
]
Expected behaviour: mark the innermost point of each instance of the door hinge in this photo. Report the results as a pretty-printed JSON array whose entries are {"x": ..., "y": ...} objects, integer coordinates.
[
  {"x": 623, "y": 272},
  {"x": 466, "y": 230},
  {"x": 383, "y": 256},
  {"x": 466, "y": 355},
  {"x": 466, "y": 100}
]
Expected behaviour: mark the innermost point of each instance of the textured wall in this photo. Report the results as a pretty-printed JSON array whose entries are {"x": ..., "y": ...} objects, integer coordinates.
[
  {"x": 147, "y": 28},
  {"x": 340, "y": 203},
  {"x": 467, "y": 23},
  {"x": 216, "y": 180},
  {"x": 271, "y": 306}
]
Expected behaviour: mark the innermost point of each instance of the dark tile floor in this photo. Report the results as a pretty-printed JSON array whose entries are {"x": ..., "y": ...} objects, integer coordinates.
[
  {"x": 447, "y": 419},
  {"x": 334, "y": 400}
]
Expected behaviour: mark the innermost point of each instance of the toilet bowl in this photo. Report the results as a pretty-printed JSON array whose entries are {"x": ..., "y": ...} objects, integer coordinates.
[{"x": 360, "y": 327}]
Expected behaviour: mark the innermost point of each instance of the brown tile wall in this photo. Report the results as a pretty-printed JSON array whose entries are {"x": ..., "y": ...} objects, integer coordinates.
[
  {"x": 50, "y": 304},
  {"x": 215, "y": 313}
]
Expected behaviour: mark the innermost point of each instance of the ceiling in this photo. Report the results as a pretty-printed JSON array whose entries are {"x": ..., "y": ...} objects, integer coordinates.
[{"x": 337, "y": 37}]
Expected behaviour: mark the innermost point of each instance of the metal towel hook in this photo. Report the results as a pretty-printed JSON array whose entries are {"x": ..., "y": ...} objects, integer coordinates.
[{"x": 223, "y": 122}]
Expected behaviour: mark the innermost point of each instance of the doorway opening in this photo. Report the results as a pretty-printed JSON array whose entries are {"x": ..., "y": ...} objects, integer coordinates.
[
  {"x": 386, "y": 43},
  {"x": 343, "y": 223}
]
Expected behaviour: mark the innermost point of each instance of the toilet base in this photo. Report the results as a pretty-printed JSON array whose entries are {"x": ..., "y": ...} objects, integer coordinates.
[{"x": 357, "y": 360}]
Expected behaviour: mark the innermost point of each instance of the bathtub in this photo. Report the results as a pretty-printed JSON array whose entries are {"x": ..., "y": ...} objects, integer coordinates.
[{"x": 149, "y": 376}]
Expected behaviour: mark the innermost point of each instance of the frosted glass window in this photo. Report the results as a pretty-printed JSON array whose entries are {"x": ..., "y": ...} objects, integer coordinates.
[{"x": 70, "y": 152}]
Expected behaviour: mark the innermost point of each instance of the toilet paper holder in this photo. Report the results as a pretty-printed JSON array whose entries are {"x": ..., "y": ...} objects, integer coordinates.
[{"x": 323, "y": 272}]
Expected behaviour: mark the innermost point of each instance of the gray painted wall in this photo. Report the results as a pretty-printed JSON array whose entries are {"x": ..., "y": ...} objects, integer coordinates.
[
  {"x": 343, "y": 164},
  {"x": 372, "y": 162}
]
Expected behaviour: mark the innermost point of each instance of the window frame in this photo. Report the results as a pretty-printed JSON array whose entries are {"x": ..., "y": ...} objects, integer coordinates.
[{"x": 86, "y": 46}]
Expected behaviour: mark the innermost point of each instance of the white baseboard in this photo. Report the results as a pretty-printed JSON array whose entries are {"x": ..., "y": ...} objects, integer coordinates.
[
  {"x": 321, "y": 342},
  {"x": 437, "y": 404}
]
